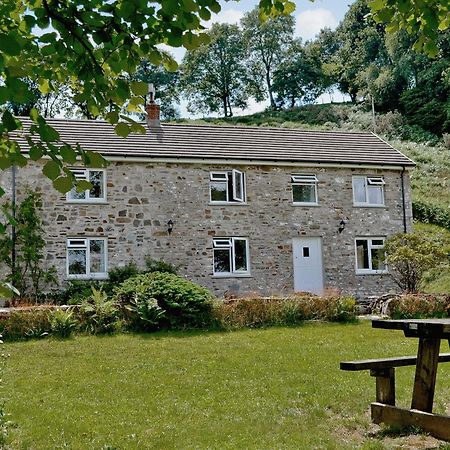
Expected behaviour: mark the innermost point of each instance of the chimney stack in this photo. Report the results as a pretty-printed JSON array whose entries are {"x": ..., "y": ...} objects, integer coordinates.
[{"x": 152, "y": 109}]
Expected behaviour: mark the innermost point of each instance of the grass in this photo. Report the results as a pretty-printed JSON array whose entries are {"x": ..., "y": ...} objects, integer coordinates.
[{"x": 270, "y": 388}]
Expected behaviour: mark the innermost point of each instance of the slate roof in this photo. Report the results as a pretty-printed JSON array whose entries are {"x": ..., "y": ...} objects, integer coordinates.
[{"x": 240, "y": 143}]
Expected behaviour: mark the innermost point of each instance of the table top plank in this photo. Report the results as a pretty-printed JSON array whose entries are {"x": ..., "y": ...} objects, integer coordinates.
[{"x": 438, "y": 328}]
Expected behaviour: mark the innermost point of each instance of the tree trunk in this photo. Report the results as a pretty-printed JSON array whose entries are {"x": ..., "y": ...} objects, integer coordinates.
[
  {"x": 230, "y": 111},
  {"x": 225, "y": 106},
  {"x": 269, "y": 89}
]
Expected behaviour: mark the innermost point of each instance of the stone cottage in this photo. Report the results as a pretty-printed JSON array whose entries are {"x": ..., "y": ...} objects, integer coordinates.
[{"x": 237, "y": 209}]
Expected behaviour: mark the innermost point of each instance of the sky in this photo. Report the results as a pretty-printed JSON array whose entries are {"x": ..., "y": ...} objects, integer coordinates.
[{"x": 310, "y": 16}]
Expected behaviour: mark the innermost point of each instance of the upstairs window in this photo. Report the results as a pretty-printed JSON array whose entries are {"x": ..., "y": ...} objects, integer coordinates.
[
  {"x": 87, "y": 258},
  {"x": 227, "y": 187},
  {"x": 98, "y": 191},
  {"x": 368, "y": 191},
  {"x": 304, "y": 189},
  {"x": 370, "y": 256},
  {"x": 230, "y": 256}
]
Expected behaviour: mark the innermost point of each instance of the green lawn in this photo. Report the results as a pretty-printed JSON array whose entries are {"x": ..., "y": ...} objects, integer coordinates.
[{"x": 261, "y": 389}]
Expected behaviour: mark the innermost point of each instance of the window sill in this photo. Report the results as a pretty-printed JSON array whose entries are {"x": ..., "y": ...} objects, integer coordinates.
[
  {"x": 227, "y": 204},
  {"x": 87, "y": 202},
  {"x": 88, "y": 277},
  {"x": 372, "y": 272},
  {"x": 366, "y": 205},
  {"x": 312, "y": 205},
  {"x": 232, "y": 275}
]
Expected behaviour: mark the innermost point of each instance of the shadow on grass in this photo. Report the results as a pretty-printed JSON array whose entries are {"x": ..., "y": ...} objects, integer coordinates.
[{"x": 395, "y": 431}]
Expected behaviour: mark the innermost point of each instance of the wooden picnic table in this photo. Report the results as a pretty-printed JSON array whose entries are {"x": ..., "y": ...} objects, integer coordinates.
[{"x": 430, "y": 333}]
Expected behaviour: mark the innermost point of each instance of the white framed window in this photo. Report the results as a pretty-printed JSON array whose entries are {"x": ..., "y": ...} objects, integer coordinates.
[
  {"x": 370, "y": 256},
  {"x": 304, "y": 189},
  {"x": 368, "y": 191},
  {"x": 97, "y": 177},
  {"x": 87, "y": 258},
  {"x": 227, "y": 187},
  {"x": 231, "y": 256}
]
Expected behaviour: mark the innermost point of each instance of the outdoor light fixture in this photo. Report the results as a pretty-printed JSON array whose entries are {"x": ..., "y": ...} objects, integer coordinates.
[
  {"x": 170, "y": 226},
  {"x": 341, "y": 226}
]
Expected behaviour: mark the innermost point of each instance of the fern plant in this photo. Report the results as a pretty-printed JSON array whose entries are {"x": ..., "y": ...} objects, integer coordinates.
[{"x": 99, "y": 313}]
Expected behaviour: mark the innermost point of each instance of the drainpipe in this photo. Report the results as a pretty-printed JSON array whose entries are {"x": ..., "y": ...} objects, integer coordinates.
[
  {"x": 403, "y": 199},
  {"x": 13, "y": 227}
]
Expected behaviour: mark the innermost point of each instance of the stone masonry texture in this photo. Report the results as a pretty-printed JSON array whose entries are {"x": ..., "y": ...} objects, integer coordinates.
[{"x": 142, "y": 197}]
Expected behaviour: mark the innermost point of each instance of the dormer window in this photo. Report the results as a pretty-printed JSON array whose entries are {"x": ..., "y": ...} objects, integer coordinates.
[
  {"x": 98, "y": 191},
  {"x": 227, "y": 187},
  {"x": 368, "y": 191},
  {"x": 304, "y": 189}
]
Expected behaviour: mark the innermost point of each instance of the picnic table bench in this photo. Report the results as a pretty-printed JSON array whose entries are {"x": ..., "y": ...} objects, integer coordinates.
[{"x": 430, "y": 333}]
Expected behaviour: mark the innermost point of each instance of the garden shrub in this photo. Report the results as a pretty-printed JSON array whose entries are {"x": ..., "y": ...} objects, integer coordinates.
[
  {"x": 158, "y": 265},
  {"x": 26, "y": 324},
  {"x": 419, "y": 306},
  {"x": 118, "y": 275},
  {"x": 62, "y": 323},
  {"x": 258, "y": 312},
  {"x": 182, "y": 302},
  {"x": 98, "y": 313}
]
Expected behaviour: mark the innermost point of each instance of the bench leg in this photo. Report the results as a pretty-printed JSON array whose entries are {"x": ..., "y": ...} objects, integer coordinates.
[
  {"x": 426, "y": 369},
  {"x": 385, "y": 385}
]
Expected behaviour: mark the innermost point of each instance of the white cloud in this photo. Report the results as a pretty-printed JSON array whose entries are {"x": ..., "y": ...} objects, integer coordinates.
[
  {"x": 231, "y": 15},
  {"x": 311, "y": 21}
]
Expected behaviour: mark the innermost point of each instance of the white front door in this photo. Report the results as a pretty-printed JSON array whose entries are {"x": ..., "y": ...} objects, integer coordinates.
[{"x": 308, "y": 268}]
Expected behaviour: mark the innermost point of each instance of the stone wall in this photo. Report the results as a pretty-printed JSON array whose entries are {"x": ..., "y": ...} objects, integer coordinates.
[{"x": 142, "y": 197}]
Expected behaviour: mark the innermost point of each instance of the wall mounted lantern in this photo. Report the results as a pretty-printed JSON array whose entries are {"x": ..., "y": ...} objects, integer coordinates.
[
  {"x": 342, "y": 224},
  {"x": 170, "y": 226}
]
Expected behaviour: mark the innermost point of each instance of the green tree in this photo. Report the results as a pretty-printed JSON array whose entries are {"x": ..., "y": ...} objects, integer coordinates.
[
  {"x": 215, "y": 76},
  {"x": 409, "y": 256},
  {"x": 266, "y": 42},
  {"x": 361, "y": 45},
  {"x": 298, "y": 78}
]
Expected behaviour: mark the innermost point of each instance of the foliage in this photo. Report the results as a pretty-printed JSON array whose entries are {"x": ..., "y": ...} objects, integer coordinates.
[
  {"x": 266, "y": 42},
  {"x": 98, "y": 313},
  {"x": 28, "y": 244},
  {"x": 428, "y": 213},
  {"x": 419, "y": 306},
  {"x": 409, "y": 256},
  {"x": 158, "y": 265},
  {"x": 182, "y": 302},
  {"x": 75, "y": 292},
  {"x": 17, "y": 325},
  {"x": 257, "y": 312},
  {"x": 118, "y": 275},
  {"x": 63, "y": 323},
  {"x": 422, "y": 19},
  {"x": 145, "y": 313},
  {"x": 215, "y": 75}
]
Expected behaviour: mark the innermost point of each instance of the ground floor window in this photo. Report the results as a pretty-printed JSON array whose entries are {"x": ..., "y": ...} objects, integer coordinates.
[
  {"x": 231, "y": 256},
  {"x": 370, "y": 256},
  {"x": 87, "y": 258}
]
